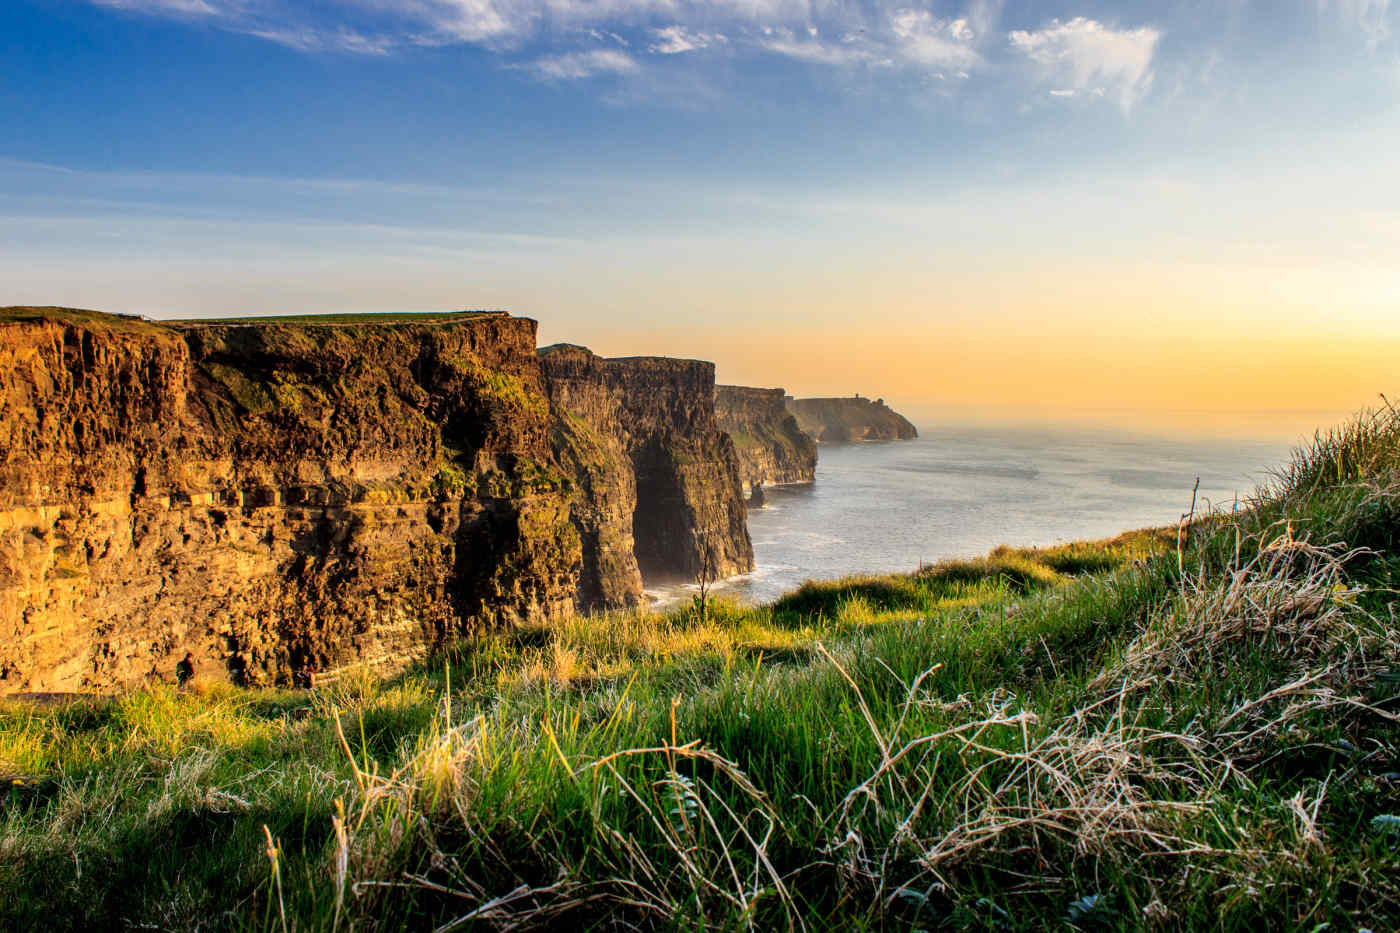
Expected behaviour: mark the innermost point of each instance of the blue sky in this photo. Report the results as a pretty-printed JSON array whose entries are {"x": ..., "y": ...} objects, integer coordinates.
[{"x": 712, "y": 178}]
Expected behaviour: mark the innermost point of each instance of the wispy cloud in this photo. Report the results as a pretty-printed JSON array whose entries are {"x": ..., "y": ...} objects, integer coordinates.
[
  {"x": 923, "y": 39},
  {"x": 1085, "y": 56},
  {"x": 339, "y": 40},
  {"x": 575, "y": 39},
  {"x": 574, "y": 65},
  {"x": 809, "y": 46},
  {"x": 169, "y": 7},
  {"x": 674, "y": 40},
  {"x": 464, "y": 20}
]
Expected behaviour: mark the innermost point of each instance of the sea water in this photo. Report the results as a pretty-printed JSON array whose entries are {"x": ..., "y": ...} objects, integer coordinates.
[{"x": 960, "y": 491}]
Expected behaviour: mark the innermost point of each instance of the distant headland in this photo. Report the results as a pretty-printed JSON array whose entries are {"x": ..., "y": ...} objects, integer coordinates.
[{"x": 845, "y": 420}]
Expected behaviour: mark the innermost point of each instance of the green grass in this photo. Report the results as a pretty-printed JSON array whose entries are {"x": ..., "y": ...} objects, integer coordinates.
[
  {"x": 427, "y": 317},
  {"x": 100, "y": 320},
  {"x": 1109, "y": 735},
  {"x": 92, "y": 320}
]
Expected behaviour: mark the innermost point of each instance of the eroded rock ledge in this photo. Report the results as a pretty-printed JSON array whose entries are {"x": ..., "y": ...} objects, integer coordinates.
[
  {"x": 771, "y": 447},
  {"x": 289, "y": 495}
]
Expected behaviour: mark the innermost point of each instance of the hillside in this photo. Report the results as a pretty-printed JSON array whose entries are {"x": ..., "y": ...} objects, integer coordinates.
[{"x": 1184, "y": 728}]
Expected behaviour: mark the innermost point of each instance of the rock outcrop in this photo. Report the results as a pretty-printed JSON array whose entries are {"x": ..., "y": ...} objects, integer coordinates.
[
  {"x": 843, "y": 420},
  {"x": 688, "y": 511},
  {"x": 772, "y": 448},
  {"x": 261, "y": 500}
]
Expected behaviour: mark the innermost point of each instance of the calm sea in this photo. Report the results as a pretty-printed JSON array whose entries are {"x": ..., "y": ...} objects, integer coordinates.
[{"x": 954, "y": 492}]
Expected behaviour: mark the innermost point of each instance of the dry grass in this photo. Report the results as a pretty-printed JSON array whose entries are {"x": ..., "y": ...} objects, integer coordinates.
[{"x": 999, "y": 787}]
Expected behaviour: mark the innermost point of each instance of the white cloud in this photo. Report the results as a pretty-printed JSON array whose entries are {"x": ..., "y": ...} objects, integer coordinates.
[
  {"x": 799, "y": 29},
  {"x": 815, "y": 50},
  {"x": 676, "y": 39},
  {"x": 575, "y": 65},
  {"x": 166, "y": 7},
  {"x": 922, "y": 39},
  {"x": 1085, "y": 55},
  {"x": 609, "y": 37},
  {"x": 340, "y": 40},
  {"x": 574, "y": 39},
  {"x": 465, "y": 20}
]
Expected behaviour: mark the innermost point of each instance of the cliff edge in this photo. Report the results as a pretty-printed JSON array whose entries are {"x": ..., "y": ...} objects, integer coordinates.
[
  {"x": 771, "y": 446},
  {"x": 658, "y": 414},
  {"x": 843, "y": 420}
]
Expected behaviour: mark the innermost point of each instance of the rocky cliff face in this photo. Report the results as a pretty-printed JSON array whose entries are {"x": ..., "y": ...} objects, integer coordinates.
[
  {"x": 586, "y": 423},
  {"x": 842, "y": 420},
  {"x": 275, "y": 497},
  {"x": 660, "y": 414},
  {"x": 771, "y": 447}
]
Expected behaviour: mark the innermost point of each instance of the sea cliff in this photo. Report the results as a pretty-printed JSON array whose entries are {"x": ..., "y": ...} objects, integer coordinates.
[
  {"x": 771, "y": 447},
  {"x": 843, "y": 420},
  {"x": 659, "y": 414},
  {"x": 265, "y": 500}
]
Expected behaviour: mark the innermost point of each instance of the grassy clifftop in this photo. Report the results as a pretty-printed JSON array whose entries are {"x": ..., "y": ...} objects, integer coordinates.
[{"x": 1191, "y": 728}]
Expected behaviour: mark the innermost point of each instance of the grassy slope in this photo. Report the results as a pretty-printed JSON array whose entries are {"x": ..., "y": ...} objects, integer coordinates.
[
  {"x": 95, "y": 320},
  {"x": 103, "y": 320},
  {"x": 1110, "y": 735},
  {"x": 386, "y": 317}
]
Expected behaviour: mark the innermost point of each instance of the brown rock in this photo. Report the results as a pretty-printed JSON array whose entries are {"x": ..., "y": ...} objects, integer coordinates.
[
  {"x": 261, "y": 494},
  {"x": 271, "y": 500},
  {"x": 684, "y": 494},
  {"x": 770, "y": 445}
]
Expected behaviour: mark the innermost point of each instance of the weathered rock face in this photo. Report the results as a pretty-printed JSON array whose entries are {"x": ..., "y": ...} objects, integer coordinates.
[
  {"x": 287, "y": 496},
  {"x": 585, "y": 421},
  {"x": 842, "y": 420},
  {"x": 690, "y": 504},
  {"x": 770, "y": 445},
  {"x": 268, "y": 498},
  {"x": 659, "y": 413}
]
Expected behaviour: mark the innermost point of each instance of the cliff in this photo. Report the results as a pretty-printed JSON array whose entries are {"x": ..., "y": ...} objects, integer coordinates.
[
  {"x": 659, "y": 414},
  {"x": 842, "y": 420},
  {"x": 585, "y": 421},
  {"x": 771, "y": 447},
  {"x": 270, "y": 497}
]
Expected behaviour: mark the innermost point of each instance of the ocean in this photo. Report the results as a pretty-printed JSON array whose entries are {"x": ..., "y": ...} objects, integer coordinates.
[{"x": 961, "y": 491}]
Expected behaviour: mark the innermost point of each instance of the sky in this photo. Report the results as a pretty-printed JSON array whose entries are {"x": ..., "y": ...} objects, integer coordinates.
[{"x": 1145, "y": 210}]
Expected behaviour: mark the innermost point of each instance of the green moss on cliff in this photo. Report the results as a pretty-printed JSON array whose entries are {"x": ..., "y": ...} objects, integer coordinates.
[
  {"x": 451, "y": 481},
  {"x": 92, "y": 320},
  {"x": 510, "y": 390},
  {"x": 254, "y": 396}
]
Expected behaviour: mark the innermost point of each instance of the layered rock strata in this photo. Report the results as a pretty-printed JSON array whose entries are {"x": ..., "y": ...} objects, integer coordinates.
[
  {"x": 688, "y": 513},
  {"x": 276, "y": 499},
  {"x": 843, "y": 420},
  {"x": 771, "y": 447},
  {"x": 585, "y": 421}
]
